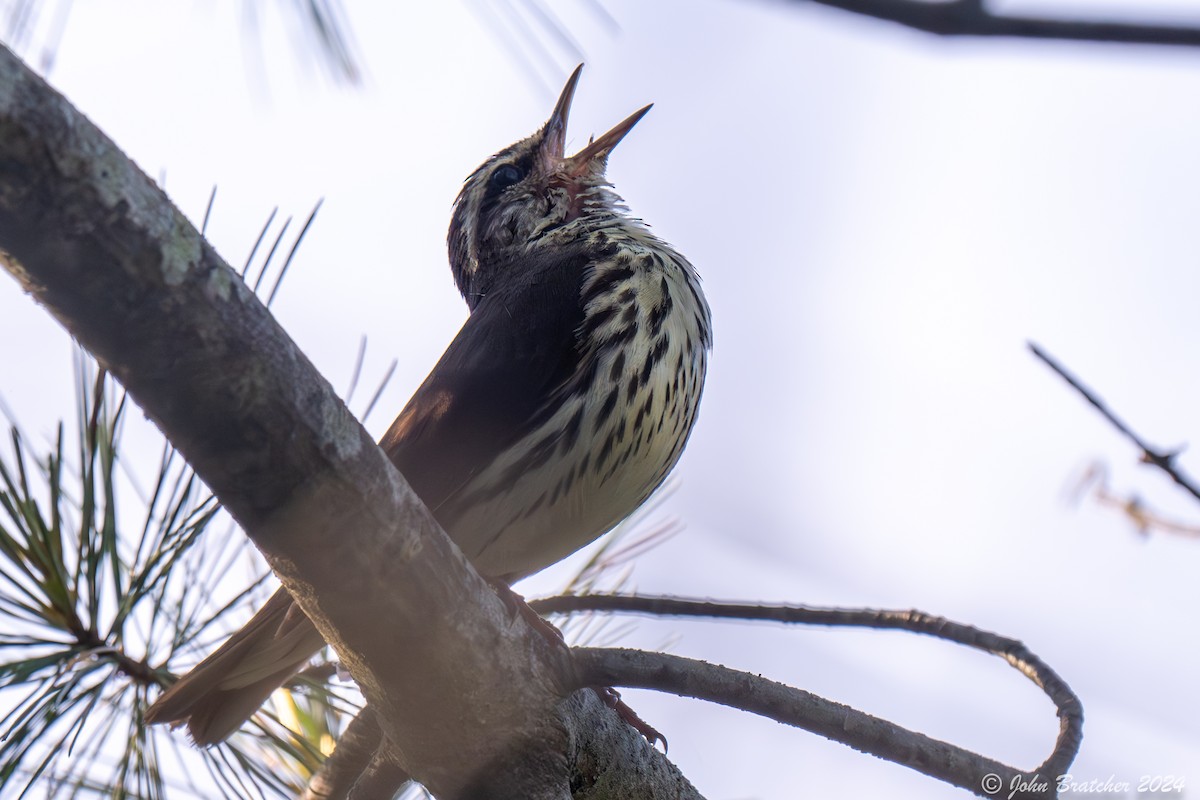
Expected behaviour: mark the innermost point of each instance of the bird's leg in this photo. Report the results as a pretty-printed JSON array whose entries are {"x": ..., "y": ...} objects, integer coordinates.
[{"x": 517, "y": 606}]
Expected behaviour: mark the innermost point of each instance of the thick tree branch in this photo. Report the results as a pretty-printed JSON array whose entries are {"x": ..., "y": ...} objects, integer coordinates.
[
  {"x": 795, "y": 707},
  {"x": 468, "y": 699},
  {"x": 971, "y": 18}
]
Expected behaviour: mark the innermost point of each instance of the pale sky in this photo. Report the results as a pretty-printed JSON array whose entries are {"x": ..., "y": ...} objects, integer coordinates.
[{"x": 882, "y": 220}]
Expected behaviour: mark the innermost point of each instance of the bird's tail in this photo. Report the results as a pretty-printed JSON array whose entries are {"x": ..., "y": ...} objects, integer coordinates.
[{"x": 225, "y": 689}]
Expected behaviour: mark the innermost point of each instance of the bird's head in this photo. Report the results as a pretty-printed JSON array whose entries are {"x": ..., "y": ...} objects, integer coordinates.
[{"x": 527, "y": 196}]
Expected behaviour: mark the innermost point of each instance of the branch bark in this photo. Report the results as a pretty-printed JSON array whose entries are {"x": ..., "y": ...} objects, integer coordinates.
[
  {"x": 971, "y": 18},
  {"x": 349, "y": 766},
  {"x": 469, "y": 701},
  {"x": 792, "y": 706}
]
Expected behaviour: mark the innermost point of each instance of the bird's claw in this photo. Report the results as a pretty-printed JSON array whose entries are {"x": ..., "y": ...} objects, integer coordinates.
[{"x": 612, "y": 698}]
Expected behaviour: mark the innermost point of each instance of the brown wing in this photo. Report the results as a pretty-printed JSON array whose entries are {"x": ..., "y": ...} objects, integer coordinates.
[{"x": 491, "y": 387}]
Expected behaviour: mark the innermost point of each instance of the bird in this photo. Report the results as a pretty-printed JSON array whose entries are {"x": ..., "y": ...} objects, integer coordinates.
[{"x": 562, "y": 403}]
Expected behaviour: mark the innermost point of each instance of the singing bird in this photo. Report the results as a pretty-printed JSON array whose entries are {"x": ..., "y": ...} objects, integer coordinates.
[{"x": 560, "y": 406}]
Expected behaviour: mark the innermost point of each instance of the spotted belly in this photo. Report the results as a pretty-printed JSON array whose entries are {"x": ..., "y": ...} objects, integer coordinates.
[{"x": 618, "y": 430}]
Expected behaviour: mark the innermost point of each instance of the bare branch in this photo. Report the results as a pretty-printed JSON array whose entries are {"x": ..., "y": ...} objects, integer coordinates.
[
  {"x": 1146, "y": 520},
  {"x": 351, "y": 766},
  {"x": 791, "y": 706},
  {"x": 795, "y": 707},
  {"x": 1163, "y": 459},
  {"x": 971, "y": 18}
]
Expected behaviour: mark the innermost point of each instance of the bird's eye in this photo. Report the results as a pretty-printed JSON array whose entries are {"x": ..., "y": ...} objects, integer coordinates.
[{"x": 506, "y": 175}]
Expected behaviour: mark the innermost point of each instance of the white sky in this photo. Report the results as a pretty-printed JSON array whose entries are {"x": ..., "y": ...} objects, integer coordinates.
[{"x": 882, "y": 220}]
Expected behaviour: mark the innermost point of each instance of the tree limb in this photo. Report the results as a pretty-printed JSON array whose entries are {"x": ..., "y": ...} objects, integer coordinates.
[
  {"x": 469, "y": 701},
  {"x": 350, "y": 762},
  {"x": 971, "y": 18},
  {"x": 795, "y": 707}
]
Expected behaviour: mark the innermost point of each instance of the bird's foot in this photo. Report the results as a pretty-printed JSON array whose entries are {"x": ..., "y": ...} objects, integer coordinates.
[
  {"x": 517, "y": 607},
  {"x": 612, "y": 698}
]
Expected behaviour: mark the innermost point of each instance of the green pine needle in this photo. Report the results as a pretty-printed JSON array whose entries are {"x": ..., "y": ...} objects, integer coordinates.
[{"x": 96, "y": 612}]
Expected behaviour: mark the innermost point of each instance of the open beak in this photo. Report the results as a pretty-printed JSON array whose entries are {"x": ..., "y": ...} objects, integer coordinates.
[
  {"x": 597, "y": 151},
  {"x": 555, "y": 131}
]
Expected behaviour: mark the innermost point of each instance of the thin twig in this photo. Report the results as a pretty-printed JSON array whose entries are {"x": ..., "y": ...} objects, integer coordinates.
[
  {"x": 1164, "y": 460},
  {"x": 352, "y": 761},
  {"x": 970, "y": 18},
  {"x": 1145, "y": 519},
  {"x": 794, "y": 707}
]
